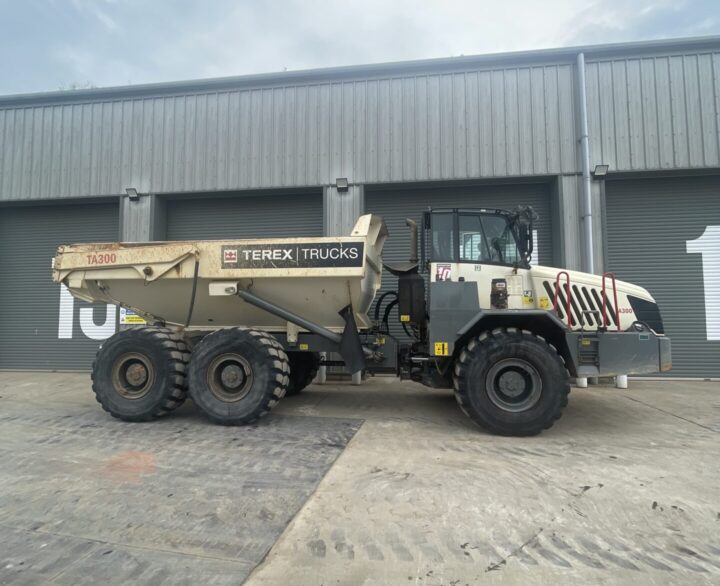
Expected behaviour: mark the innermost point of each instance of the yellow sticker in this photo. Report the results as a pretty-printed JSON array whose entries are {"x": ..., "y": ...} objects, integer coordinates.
[
  {"x": 129, "y": 317},
  {"x": 585, "y": 342},
  {"x": 304, "y": 346},
  {"x": 528, "y": 300},
  {"x": 404, "y": 318},
  {"x": 133, "y": 320},
  {"x": 544, "y": 303},
  {"x": 441, "y": 348}
]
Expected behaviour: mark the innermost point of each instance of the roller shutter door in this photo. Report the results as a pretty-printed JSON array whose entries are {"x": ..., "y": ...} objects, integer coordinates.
[
  {"x": 243, "y": 216},
  {"x": 42, "y": 327},
  {"x": 664, "y": 234},
  {"x": 398, "y": 204}
]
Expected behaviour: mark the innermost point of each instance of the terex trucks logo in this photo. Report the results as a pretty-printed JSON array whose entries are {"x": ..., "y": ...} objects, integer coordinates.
[{"x": 293, "y": 256}]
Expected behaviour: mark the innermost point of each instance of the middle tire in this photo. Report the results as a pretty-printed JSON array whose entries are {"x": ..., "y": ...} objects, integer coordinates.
[
  {"x": 303, "y": 370},
  {"x": 237, "y": 375}
]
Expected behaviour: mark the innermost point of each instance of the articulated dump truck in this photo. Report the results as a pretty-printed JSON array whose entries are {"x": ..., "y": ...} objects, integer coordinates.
[{"x": 238, "y": 324}]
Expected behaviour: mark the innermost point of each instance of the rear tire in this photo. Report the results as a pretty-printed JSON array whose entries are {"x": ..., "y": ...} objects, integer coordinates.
[
  {"x": 303, "y": 370},
  {"x": 139, "y": 374},
  {"x": 511, "y": 382},
  {"x": 237, "y": 375}
]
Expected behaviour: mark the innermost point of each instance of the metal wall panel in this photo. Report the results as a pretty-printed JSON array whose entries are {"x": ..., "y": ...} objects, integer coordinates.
[
  {"x": 645, "y": 112},
  {"x": 32, "y": 308},
  {"x": 650, "y": 223},
  {"x": 140, "y": 219},
  {"x": 655, "y": 112},
  {"x": 471, "y": 124},
  {"x": 341, "y": 209}
]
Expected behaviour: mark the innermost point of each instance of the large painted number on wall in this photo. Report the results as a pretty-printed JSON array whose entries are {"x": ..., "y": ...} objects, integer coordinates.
[
  {"x": 709, "y": 246},
  {"x": 87, "y": 323}
]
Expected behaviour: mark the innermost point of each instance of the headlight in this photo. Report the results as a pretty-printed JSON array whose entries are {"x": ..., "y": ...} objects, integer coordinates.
[{"x": 647, "y": 312}]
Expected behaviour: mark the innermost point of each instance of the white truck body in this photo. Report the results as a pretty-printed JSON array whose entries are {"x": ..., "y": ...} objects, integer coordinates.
[{"x": 156, "y": 279}]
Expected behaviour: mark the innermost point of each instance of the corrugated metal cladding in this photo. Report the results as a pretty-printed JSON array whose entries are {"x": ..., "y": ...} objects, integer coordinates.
[
  {"x": 42, "y": 328},
  {"x": 655, "y": 113},
  {"x": 396, "y": 205},
  {"x": 513, "y": 121},
  {"x": 664, "y": 234},
  {"x": 265, "y": 216}
]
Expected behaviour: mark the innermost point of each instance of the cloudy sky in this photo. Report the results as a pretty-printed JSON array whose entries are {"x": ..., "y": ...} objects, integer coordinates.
[{"x": 58, "y": 44}]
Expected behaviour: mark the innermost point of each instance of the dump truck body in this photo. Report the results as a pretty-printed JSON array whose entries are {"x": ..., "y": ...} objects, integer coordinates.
[{"x": 193, "y": 284}]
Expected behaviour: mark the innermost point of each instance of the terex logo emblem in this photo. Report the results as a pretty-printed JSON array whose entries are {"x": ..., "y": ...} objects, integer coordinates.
[{"x": 325, "y": 254}]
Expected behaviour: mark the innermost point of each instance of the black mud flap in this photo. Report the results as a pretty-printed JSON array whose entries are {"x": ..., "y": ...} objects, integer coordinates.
[{"x": 350, "y": 346}]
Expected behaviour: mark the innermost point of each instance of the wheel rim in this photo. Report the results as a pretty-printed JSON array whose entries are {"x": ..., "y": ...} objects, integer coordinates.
[
  {"x": 132, "y": 375},
  {"x": 229, "y": 377},
  {"x": 514, "y": 385}
]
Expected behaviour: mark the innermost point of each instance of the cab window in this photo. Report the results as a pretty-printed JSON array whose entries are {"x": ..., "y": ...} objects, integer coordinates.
[
  {"x": 473, "y": 245},
  {"x": 486, "y": 238},
  {"x": 442, "y": 237}
]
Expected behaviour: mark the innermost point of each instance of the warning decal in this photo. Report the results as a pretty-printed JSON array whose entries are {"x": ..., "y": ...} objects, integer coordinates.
[
  {"x": 293, "y": 256},
  {"x": 441, "y": 348},
  {"x": 129, "y": 318}
]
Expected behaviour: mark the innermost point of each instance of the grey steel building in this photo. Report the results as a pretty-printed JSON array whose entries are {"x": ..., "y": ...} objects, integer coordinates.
[{"x": 261, "y": 155}]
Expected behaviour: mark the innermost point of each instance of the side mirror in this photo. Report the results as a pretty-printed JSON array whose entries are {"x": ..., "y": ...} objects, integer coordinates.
[
  {"x": 526, "y": 232},
  {"x": 523, "y": 226}
]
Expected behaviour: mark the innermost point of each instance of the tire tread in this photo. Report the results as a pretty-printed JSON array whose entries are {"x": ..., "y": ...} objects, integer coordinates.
[
  {"x": 478, "y": 344},
  {"x": 177, "y": 357},
  {"x": 275, "y": 360}
]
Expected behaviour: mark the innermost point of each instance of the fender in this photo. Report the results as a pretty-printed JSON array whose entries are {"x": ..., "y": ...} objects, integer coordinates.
[
  {"x": 593, "y": 353},
  {"x": 538, "y": 321},
  {"x": 525, "y": 316}
]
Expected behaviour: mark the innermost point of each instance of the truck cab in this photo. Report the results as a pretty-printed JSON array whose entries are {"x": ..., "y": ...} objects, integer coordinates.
[{"x": 508, "y": 334}]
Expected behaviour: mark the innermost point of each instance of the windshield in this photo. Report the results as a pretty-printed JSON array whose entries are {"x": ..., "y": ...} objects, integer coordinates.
[{"x": 482, "y": 238}]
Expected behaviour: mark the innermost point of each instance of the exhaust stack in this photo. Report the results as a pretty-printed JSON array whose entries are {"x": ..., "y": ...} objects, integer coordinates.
[{"x": 413, "y": 240}]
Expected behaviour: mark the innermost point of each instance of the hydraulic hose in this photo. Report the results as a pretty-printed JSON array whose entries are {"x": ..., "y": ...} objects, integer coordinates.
[
  {"x": 379, "y": 302},
  {"x": 388, "y": 309},
  {"x": 194, "y": 291}
]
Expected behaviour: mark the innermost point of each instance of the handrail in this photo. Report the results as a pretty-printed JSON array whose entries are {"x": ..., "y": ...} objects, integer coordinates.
[
  {"x": 606, "y": 321},
  {"x": 568, "y": 295}
]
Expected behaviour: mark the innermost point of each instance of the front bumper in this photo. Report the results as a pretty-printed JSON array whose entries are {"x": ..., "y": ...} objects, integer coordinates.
[{"x": 614, "y": 353}]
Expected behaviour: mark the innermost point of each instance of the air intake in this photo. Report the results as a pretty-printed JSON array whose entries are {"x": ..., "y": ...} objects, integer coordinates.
[{"x": 585, "y": 305}]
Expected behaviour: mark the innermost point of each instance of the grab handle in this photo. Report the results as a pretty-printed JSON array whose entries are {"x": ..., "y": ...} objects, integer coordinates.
[
  {"x": 568, "y": 296},
  {"x": 606, "y": 321}
]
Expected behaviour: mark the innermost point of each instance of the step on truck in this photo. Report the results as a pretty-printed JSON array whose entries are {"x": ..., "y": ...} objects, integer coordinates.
[{"x": 239, "y": 324}]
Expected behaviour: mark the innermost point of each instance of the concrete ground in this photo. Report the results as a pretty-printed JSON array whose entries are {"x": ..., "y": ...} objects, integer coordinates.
[{"x": 386, "y": 483}]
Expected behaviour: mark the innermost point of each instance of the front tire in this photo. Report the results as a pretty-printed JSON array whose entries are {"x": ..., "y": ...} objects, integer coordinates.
[
  {"x": 237, "y": 375},
  {"x": 511, "y": 382},
  {"x": 139, "y": 374}
]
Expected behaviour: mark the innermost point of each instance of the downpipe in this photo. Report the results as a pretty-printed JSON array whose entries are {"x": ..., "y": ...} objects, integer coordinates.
[
  {"x": 412, "y": 224},
  {"x": 588, "y": 261},
  {"x": 586, "y": 179}
]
